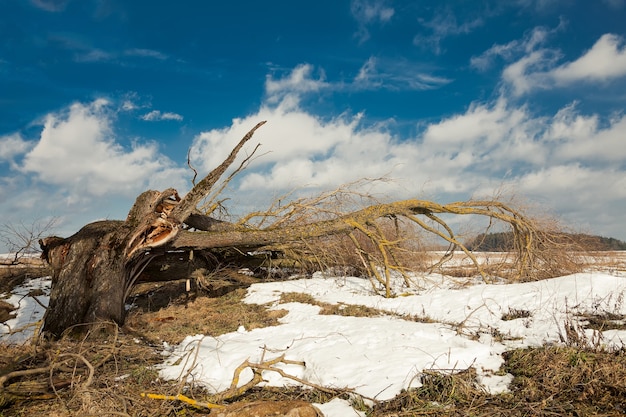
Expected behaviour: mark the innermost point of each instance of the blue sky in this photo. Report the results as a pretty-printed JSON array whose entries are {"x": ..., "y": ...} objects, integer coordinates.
[{"x": 102, "y": 99}]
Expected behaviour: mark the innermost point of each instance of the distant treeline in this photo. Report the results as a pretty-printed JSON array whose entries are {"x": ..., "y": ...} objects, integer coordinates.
[{"x": 503, "y": 241}]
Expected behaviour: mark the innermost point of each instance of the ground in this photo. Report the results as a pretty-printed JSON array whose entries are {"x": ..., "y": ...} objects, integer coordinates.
[{"x": 107, "y": 371}]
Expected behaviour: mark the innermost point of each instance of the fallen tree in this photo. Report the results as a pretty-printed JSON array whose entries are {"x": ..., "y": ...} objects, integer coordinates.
[{"x": 94, "y": 269}]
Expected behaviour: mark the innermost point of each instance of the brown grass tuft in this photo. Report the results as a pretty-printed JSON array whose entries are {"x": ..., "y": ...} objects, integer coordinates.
[
  {"x": 340, "y": 309},
  {"x": 201, "y": 315},
  {"x": 548, "y": 381}
]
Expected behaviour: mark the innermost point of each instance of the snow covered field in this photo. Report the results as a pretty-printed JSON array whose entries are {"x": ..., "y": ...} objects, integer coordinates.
[
  {"x": 442, "y": 326},
  {"x": 379, "y": 356}
]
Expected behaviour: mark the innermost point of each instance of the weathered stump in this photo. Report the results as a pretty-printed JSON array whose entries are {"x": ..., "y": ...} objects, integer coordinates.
[{"x": 89, "y": 277}]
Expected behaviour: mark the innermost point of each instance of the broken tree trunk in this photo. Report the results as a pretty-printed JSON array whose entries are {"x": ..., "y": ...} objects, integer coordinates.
[{"x": 94, "y": 270}]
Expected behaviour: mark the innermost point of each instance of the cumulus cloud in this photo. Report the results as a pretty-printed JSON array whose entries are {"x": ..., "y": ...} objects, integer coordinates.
[
  {"x": 585, "y": 138},
  {"x": 77, "y": 151},
  {"x": 606, "y": 60},
  {"x": 78, "y": 170},
  {"x": 131, "y": 101},
  {"x": 12, "y": 146},
  {"x": 129, "y": 105},
  {"x": 157, "y": 115},
  {"x": 299, "y": 81},
  {"x": 539, "y": 68}
]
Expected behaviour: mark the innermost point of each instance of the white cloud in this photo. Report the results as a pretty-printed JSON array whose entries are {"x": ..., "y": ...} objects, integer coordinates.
[
  {"x": 374, "y": 74},
  {"x": 605, "y": 60},
  {"x": 157, "y": 115},
  {"x": 50, "y": 5},
  {"x": 131, "y": 101},
  {"x": 129, "y": 105},
  {"x": 538, "y": 68},
  {"x": 12, "y": 146},
  {"x": 148, "y": 53},
  {"x": 299, "y": 81},
  {"x": 582, "y": 138},
  {"x": 442, "y": 25},
  {"x": 541, "y": 5},
  {"x": 78, "y": 151},
  {"x": 494, "y": 134},
  {"x": 395, "y": 75},
  {"x": 485, "y": 60},
  {"x": 93, "y": 55},
  {"x": 77, "y": 171},
  {"x": 528, "y": 73},
  {"x": 588, "y": 198},
  {"x": 531, "y": 41},
  {"x": 367, "y": 12}
]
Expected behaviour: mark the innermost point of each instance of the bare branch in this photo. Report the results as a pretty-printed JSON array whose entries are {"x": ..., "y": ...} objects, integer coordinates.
[
  {"x": 22, "y": 239},
  {"x": 195, "y": 173},
  {"x": 209, "y": 206},
  {"x": 200, "y": 190}
]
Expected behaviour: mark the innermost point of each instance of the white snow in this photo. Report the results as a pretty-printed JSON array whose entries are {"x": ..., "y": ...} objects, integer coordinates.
[{"x": 379, "y": 356}]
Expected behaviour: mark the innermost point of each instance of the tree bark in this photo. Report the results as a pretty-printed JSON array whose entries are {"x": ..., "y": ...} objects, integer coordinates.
[{"x": 88, "y": 277}]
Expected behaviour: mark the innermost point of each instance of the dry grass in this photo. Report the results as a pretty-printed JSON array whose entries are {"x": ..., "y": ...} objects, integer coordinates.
[
  {"x": 604, "y": 321},
  {"x": 406, "y": 252},
  {"x": 547, "y": 382},
  {"x": 14, "y": 275},
  {"x": 121, "y": 370},
  {"x": 570, "y": 381},
  {"x": 339, "y": 309},
  {"x": 189, "y": 315}
]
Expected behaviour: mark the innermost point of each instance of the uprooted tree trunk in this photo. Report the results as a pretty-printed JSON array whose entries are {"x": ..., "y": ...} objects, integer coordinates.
[{"x": 94, "y": 270}]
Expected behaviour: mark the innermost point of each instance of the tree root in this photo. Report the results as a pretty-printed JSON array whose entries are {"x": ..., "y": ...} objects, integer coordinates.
[{"x": 235, "y": 391}]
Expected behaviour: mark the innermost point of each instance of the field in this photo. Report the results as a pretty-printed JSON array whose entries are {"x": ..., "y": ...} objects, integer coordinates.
[{"x": 449, "y": 344}]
